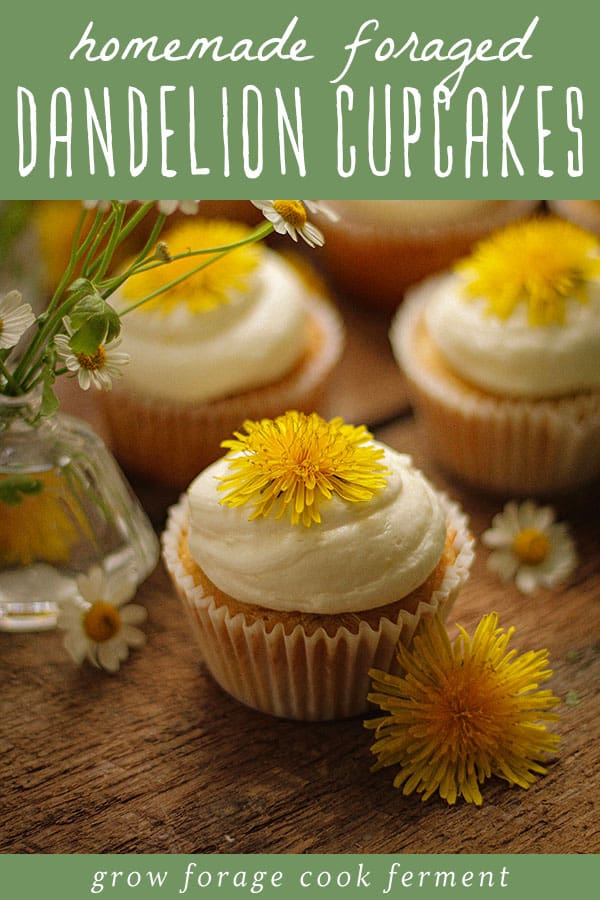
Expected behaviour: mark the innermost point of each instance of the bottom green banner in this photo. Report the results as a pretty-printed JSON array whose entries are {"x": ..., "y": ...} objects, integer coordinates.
[{"x": 223, "y": 877}]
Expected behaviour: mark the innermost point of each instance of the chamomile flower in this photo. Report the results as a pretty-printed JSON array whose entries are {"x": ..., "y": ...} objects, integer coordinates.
[
  {"x": 529, "y": 546},
  {"x": 290, "y": 217},
  {"x": 99, "y": 627},
  {"x": 15, "y": 318},
  {"x": 96, "y": 369}
]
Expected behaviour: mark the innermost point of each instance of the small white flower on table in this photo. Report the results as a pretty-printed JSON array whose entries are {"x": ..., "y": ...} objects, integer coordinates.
[
  {"x": 98, "y": 625},
  {"x": 530, "y": 547}
]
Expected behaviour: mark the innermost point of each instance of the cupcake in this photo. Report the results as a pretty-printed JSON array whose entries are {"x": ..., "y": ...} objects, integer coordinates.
[
  {"x": 304, "y": 555},
  {"x": 249, "y": 335},
  {"x": 377, "y": 248},
  {"x": 583, "y": 212},
  {"x": 503, "y": 359}
]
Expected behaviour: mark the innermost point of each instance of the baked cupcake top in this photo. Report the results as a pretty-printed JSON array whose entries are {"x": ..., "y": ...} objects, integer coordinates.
[
  {"x": 314, "y": 516},
  {"x": 520, "y": 317},
  {"x": 238, "y": 324}
]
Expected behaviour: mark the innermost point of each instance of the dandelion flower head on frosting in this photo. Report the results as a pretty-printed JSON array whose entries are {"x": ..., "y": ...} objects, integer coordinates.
[
  {"x": 211, "y": 286},
  {"x": 294, "y": 463},
  {"x": 463, "y": 712},
  {"x": 541, "y": 263},
  {"x": 529, "y": 546}
]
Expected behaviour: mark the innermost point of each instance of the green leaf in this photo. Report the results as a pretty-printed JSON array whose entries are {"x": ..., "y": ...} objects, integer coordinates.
[
  {"x": 88, "y": 337},
  {"x": 90, "y": 308},
  {"x": 50, "y": 403},
  {"x": 13, "y": 488}
]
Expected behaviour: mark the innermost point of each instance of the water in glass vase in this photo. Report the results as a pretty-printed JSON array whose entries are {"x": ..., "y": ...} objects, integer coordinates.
[{"x": 65, "y": 508}]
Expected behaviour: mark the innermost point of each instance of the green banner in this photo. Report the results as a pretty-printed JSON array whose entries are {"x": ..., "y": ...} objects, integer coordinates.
[
  {"x": 298, "y": 877},
  {"x": 345, "y": 99}
]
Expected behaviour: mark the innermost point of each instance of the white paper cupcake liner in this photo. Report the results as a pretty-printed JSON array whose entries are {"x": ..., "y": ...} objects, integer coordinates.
[
  {"x": 298, "y": 675},
  {"x": 174, "y": 441},
  {"x": 517, "y": 447}
]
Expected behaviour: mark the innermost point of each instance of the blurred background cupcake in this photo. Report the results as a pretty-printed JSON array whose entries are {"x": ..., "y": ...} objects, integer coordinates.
[
  {"x": 250, "y": 335},
  {"x": 304, "y": 555},
  {"x": 377, "y": 248},
  {"x": 502, "y": 357},
  {"x": 583, "y": 212}
]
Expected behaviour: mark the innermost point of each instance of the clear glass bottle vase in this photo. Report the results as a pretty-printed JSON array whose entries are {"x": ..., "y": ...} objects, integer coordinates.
[{"x": 65, "y": 508}]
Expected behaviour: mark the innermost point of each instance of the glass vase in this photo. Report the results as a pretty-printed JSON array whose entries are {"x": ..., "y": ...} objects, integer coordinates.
[{"x": 65, "y": 508}]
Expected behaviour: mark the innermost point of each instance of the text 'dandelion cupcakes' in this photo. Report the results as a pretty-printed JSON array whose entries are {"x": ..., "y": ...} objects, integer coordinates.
[
  {"x": 250, "y": 335},
  {"x": 304, "y": 555},
  {"x": 503, "y": 359}
]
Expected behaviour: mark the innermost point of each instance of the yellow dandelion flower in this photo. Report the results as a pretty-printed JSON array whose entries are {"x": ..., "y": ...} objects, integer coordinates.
[
  {"x": 296, "y": 461},
  {"x": 462, "y": 712},
  {"x": 208, "y": 288},
  {"x": 541, "y": 262},
  {"x": 43, "y": 526}
]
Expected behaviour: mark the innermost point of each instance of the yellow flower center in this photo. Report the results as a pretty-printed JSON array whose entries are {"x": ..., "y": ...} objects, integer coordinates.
[
  {"x": 1, "y": 325},
  {"x": 295, "y": 461},
  {"x": 542, "y": 263},
  {"x": 291, "y": 211},
  {"x": 215, "y": 284},
  {"x": 531, "y": 546},
  {"x": 102, "y": 621},
  {"x": 94, "y": 362}
]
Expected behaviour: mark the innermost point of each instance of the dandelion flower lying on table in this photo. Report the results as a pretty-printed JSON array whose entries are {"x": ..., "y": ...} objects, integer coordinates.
[{"x": 462, "y": 712}]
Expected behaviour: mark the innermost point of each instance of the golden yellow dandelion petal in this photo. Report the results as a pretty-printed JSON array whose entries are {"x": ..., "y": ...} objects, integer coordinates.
[
  {"x": 291, "y": 464},
  {"x": 462, "y": 712},
  {"x": 541, "y": 262},
  {"x": 208, "y": 288}
]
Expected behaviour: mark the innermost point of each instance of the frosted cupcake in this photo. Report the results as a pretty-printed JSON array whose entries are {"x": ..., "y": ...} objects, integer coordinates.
[
  {"x": 377, "y": 248},
  {"x": 583, "y": 212},
  {"x": 249, "y": 335},
  {"x": 503, "y": 358},
  {"x": 304, "y": 555}
]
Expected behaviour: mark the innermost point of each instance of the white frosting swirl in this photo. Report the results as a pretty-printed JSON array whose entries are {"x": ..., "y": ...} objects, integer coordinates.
[
  {"x": 255, "y": 339},
  {"x": 362, "y": 555},
  {"x": 510, "y": 357}
]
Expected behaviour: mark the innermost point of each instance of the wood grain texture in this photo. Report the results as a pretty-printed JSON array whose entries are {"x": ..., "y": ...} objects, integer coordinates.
[{"x": 159, "y": 759}]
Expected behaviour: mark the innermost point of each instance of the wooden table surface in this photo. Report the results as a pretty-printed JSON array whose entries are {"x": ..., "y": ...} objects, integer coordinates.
[{"x": 159, "y": 759}]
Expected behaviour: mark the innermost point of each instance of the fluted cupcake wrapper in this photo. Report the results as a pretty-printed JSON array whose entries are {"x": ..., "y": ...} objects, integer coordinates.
[
  {"x": 299, "y": 675},
  {"x": 518, "y": 447},
  {"x": 174, "y": 441}
]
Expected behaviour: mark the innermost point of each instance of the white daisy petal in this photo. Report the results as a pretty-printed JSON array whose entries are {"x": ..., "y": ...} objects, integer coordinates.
[
  {"x": 134, "y": 637},
  {"x": 133, "y": 614},
  {"x": 15, "y": 318}
]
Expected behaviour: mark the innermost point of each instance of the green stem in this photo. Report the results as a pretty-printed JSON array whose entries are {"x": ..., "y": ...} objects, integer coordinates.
[
  {"x": 10, "y": 380},
  {"x": 172, "y": 284},
  {"x": 258, "y": 234}
]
